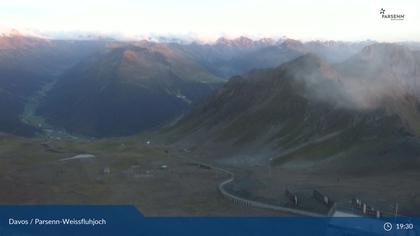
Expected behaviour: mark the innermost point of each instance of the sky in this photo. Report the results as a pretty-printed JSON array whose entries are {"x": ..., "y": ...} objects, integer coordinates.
[{"x": 207, "y": 20}]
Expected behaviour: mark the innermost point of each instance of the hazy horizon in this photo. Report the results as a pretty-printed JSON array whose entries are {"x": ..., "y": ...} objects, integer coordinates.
[{"x": 302, "y": 19}]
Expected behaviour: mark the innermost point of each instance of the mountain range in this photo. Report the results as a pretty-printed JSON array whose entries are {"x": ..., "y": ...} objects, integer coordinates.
[
  {"x": 103, "y": 87},
  {"x": 229, "y": 57}
]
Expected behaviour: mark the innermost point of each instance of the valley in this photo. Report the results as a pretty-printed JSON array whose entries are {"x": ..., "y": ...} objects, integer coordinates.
[{"x": 29, "y": 116}]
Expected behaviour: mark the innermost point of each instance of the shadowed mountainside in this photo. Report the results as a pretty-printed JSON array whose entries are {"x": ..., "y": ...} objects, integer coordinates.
[{"x": 125, "y": 90}]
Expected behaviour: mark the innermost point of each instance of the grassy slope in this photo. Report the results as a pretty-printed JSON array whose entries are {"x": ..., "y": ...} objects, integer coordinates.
[{"x": 34, "y": 174}]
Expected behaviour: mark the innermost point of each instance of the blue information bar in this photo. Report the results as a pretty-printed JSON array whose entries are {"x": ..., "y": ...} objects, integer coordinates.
[{"x": 127, "y": 220}]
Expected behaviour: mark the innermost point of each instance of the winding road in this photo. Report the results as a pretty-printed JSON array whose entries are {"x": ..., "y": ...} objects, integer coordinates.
[{"x": 251, "y": 203}]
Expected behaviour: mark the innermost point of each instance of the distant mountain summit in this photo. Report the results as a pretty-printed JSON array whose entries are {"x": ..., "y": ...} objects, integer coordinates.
[
  {"x": 18, "y": 41},
  {"x": 244, "y": 42},
  {"x": 293, "y": 44}
]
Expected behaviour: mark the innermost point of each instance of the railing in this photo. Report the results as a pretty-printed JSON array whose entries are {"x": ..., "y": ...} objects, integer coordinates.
[{"x": 251, "y": 203}]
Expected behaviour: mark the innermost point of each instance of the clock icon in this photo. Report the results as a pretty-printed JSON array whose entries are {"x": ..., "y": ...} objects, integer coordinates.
[{"x": 387, "y": 226}]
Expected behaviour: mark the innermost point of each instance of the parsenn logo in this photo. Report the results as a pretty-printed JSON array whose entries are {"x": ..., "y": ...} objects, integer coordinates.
[{"x": 392, "y": 16}]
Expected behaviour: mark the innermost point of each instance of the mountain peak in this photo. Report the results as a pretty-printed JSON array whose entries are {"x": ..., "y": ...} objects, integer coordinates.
[
  {"x": 308, "y": 64},
  {"x": 15, "y": 40},
  {"x": 241, "y": 41},
  {"x": 384, "y": 50},
  {"x": 388, "y": 54},
  {"x": 308, "y": 59},
  {"x": 12, "y": 33},
  {"x": 292, "y": 43}
]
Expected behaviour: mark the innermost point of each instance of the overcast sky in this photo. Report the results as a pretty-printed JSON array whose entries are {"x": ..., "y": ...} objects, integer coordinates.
[{"x": 300, "y": 19}]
